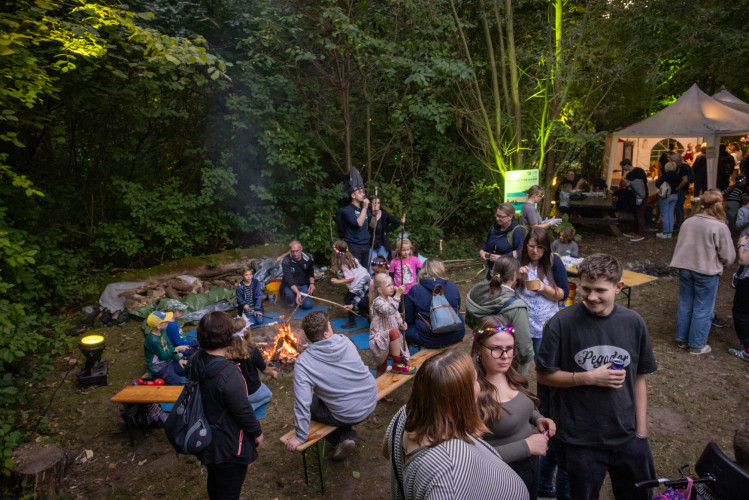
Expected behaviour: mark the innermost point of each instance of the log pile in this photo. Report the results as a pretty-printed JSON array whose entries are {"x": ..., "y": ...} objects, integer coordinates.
[{"x": 463, "y": 263}]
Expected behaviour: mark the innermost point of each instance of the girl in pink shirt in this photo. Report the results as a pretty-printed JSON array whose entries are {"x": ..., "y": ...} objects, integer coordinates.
[{"x": 411, "y": 265}]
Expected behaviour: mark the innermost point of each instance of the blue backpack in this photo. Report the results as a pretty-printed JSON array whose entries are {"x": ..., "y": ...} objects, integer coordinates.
[{"x": 442, "y": 316}]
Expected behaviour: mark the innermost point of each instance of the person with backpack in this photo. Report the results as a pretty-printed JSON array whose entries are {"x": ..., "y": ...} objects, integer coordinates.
[
  {"x": 236, "y": 433},
  {"x": 497, "y": 296},
  {"x": 505, "y": 237},
  {"x": 419, "y": 305},
  {"x": 667, "y": 197}
]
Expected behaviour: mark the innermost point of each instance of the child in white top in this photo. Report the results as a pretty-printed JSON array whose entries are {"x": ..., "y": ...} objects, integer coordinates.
[{"x": 355, "y": 277}]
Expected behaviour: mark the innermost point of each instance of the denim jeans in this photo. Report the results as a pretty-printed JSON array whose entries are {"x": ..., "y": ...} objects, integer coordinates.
[
  {"x": 171, "y": 373},
  {"x": 546, "y": 473},
  {"x": 260, "y": 397},
  {"x": 253, "y": 320},
  {"x": 667, "y": 212},
  {"x": 536, "y": 345},
  {"x": 696, "y": 302},
  {"x": 289, "y": 297}
]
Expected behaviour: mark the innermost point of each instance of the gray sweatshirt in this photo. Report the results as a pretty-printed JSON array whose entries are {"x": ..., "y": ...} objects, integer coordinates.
[{"x": 332, "y": 369}]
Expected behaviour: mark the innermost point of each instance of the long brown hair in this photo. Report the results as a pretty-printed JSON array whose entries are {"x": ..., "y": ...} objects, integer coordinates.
[
  {"x": 542, "y": 239},
  {"x": 442, "y": 404},
  {"x": 342, "y": 257},
  {"x": 504, "y": 269},
  {"x": 241, "y": 345},
  {"x": 489, "y": 406},
  {"x": 712, "y": 204}
]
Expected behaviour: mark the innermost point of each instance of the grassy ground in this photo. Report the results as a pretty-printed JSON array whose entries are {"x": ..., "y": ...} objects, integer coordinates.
[{"x": 692, "y": 400}]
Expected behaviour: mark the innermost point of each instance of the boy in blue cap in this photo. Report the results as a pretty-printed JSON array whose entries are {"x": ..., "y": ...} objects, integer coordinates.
[{"x": 163, "y": 359}]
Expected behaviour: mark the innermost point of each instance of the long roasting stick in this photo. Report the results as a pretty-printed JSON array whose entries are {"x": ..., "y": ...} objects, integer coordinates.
[
  {"x": 313, "y": 297},
  {"x": 403, "y": 229}
]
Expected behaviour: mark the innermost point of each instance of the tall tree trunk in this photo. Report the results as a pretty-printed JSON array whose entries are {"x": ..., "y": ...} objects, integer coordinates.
[{"x": 514, "y": 89}]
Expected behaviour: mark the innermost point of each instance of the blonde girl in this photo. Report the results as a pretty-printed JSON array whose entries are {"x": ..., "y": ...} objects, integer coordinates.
[
  {"x": 406, "y": 261},
  {"x": 249, "y": 360},
  {"x": 355, "y": 277},
  {"x": 385, "y": 334}
]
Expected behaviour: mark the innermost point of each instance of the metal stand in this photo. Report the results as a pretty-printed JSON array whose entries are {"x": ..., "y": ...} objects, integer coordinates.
[
  {"x": 320, "y": 464},
  {"x": 627, "y": 291}
]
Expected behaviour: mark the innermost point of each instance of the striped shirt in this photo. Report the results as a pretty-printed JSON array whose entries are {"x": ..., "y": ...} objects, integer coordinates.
[{"x": 451, "y": 470}]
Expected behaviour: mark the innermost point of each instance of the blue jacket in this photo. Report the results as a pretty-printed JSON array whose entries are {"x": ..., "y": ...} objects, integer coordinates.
[
  {"x": 255, "y": 297},
  {"x": 176, "y": 337},
  {"x": 418, "y": 303},
  {"x": 498, "y": 243}
]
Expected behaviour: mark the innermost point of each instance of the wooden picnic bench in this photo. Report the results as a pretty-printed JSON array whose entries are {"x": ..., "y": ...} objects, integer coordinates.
[
  {"x": 386, "y": 383},
  {"x": 595, "y": 210},
  {"x": 142, "y": 395},
  {"x": 631, "y": 279}
]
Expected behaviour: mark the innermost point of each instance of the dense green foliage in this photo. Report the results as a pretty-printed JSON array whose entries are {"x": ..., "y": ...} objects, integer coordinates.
[{"x": 132, "y": 134}]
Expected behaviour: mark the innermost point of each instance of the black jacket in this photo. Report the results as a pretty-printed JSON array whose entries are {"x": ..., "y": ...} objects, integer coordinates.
[
  {"x": 298, "y": 272},
  {"x": 227, "y": 409},
  {"x": 388, "y": 222}
]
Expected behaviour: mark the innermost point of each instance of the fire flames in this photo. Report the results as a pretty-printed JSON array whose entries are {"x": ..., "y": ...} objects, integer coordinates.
[{"x": 285, "y": 347}]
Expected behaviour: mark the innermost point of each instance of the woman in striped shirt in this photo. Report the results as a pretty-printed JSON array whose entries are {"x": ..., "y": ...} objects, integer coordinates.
[{"x": 433, "y": 443}]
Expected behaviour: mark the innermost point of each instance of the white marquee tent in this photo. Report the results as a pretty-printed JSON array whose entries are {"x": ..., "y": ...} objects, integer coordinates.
[{"x": 694, "y": 117}]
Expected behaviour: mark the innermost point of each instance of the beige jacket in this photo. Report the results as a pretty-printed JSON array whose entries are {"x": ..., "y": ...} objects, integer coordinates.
[{"x": 704, "y": 246}]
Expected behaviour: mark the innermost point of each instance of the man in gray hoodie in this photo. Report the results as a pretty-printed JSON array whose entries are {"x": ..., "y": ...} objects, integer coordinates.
[{"x": 332, "y": 385}]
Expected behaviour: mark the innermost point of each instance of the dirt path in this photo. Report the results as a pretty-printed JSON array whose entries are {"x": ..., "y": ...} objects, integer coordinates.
[{"x": 693, "y": 400}]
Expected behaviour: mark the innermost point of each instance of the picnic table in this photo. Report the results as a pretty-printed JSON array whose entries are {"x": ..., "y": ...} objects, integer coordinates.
[
  {"x": 631, "y": 279},
  {"x": 595, "y": 210}
]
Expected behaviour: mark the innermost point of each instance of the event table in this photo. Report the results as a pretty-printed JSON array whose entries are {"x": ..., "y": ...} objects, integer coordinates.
[
  {"x": 595, "y": 210},
  {"x": 630, "y": 278}
]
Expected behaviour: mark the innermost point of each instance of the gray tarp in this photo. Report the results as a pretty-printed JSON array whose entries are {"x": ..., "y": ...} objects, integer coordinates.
[{"x": 110, "y": 299}]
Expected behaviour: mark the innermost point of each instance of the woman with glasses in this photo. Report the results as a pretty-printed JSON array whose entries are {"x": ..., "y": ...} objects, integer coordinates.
[
  {"x": 505, "y": 237},
  {"x": 505, "y": 405}
]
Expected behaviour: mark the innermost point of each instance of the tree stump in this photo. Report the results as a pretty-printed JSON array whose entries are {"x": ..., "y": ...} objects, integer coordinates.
[{"x": 40, "y": 468}]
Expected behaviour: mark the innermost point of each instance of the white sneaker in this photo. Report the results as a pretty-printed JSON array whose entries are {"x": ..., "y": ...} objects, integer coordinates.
[
  {"x": 700, "y": 350},
  {"x": 661, "y": 235},
  {"x": 344, "y": 450},
  {"x": 637, "y": 238},
  {"x": 628, "y": 235}
]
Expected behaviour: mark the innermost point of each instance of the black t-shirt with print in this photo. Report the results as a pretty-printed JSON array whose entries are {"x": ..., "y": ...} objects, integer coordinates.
[{"x": 575, "y": 340}]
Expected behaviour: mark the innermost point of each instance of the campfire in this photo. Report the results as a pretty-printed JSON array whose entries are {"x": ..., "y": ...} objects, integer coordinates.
[{"x": 282, "y": 346}]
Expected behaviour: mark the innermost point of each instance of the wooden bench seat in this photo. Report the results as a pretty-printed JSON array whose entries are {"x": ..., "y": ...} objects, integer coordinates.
[
  {"x": 386, "y": 384},
  {"x": 148, "y": 394}
]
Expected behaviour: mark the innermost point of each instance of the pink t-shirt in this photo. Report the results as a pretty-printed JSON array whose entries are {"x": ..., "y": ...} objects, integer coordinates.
[{"x": 410, "y": 266}]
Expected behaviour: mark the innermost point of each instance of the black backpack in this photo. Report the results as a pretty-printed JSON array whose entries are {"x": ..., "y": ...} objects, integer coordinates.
[{"x": 187, "y": 427}]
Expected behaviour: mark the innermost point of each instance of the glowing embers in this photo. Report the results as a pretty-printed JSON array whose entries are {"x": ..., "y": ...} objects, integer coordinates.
[{"x": 285, "y": 347}]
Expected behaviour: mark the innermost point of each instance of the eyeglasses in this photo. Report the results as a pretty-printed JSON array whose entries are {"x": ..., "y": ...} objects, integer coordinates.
[
  {"x": 497, "y": 352},
  {"x": 502, "y": 216}
]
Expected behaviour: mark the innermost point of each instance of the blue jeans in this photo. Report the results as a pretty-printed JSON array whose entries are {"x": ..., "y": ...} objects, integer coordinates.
[
  {"x": 260, "y": 397},
  {"x": 253, "y": 320},
  {"x": 171, "y": 373},
  {"x": 696, "y": 302},
  {"x": 667, "y": 212},
  {"x": 546, "y": 474},
  {"x": 536, "y": 345},
  {"x": 681, "y": 196},
  {"x": 289, "y": 297}
]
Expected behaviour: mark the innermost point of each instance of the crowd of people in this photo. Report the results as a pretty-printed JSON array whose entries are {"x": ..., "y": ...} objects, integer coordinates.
[{"x": 471, "y": 428}]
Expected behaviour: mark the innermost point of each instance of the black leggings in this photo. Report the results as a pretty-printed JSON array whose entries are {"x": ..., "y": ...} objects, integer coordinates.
[
  {"x": 225, "y": 480},
  {"x": 527, "y": 469}
]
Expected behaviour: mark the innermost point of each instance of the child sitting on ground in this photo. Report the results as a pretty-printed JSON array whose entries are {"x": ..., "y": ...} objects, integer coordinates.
[
  {"x": 163, "y": 359},
  {"x": 250, "y": 298},
  {"x": 565, "y": 246},
  {"x": 385, "y": 334},
  {"x": 173, "y": 331},
  {"x": 249, "y": 360},
  {"x": 406, "y": 262},
  {"x": 355, "y": 277}
]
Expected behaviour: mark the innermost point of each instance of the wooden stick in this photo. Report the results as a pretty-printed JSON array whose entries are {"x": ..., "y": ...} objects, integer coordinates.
[
  {"x": 330, "y": 302},
  {"x": 291, "y": 316},
  {"x": 371, "y": 250},
  {"x": 440, "y": 248},
  {"x": 403, "y": 229}
]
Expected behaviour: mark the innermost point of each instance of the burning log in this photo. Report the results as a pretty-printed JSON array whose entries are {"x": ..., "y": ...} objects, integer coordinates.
[
  {"x": 275, "y": 352},
  {"x": 292, "y": 341}
]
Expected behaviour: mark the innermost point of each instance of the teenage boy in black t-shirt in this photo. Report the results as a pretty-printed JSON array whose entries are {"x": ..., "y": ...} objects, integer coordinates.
[{"x": 601, "y": 414}]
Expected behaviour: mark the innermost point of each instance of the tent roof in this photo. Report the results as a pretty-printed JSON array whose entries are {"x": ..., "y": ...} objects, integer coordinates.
[
  {"x": 694, "y": 114},
  {"x": 731, "y": 100}
]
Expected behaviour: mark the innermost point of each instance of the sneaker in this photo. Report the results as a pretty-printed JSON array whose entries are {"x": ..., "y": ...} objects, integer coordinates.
[
  {"x": 740, "y": 353},
  {"x": 717, "y": 323},
  {"x": 668, "y": 235},
  {"x": 700, "y": 350},
  {"x": 628, "y": 235},
  {"x": 386, "y": 399},
  {"x": 681, "y": 345},
  {"x": 404, "y": 368},
  {"x": 661, "y": 235},
  {"x": 344, "y": 450},
  {"x": 348, "y": 325},
  {"x": 637, "y": 238}
]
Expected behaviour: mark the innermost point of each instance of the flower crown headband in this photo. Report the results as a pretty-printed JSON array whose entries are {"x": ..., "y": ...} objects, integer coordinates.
[
  {"x": 340, "y": 252},
  {"x": 379, "y": 262},
  {"x": 497, "y": 329}
]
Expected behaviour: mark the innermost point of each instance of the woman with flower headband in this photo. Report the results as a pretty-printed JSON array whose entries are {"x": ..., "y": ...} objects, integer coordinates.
[
  {"x": 505, "y": 405},
  {"x": 355, "y": 277}
]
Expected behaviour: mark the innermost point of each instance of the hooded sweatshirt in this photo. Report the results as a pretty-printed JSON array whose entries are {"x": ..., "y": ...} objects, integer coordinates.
[
  {"x": 480, "y": 303},
  {"x": 332, "y": 369},
  {"x": 227, "y": 408}
]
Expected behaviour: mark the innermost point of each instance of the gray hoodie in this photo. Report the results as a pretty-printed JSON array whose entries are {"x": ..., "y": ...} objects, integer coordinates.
[{"x": 332, "y": 369}]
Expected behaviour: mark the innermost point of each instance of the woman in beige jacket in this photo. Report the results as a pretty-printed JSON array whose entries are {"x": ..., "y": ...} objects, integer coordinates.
[{"x": 703, "y": 248}]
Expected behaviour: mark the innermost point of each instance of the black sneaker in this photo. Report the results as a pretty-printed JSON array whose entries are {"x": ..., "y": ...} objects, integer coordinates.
[{"x": 717, "y": 323}]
